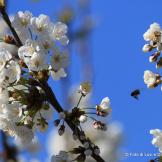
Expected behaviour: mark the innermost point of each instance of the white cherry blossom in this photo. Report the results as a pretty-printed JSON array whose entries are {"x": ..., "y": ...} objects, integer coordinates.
[
  {"x": 59, "y": 60},
  {"x": 28, "y": 50},
  {"x": 157, "y": 138},
  {"x": 104, "y": 108},
  {"x": 10, "y": 73},
  {"x": 151, "y": 33},
  {"x": 4, "y": 57},
  {"x": 12, "y": 49},
  {"x": 33, "y": 56},
  {"x": 22, "y": 20},
  {"x": 56, "y": 75},
  {"x": 37, "y": 62},
  {"x": 41, "y": 24},
  {"x": 59, "y": 31},
  {"x": 83, "y": 118},
  {"x": 149, "y": 78},
  {"x": 12, "y": 111}
]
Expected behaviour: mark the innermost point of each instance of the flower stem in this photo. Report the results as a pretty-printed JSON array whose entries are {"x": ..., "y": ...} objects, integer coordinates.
[
  {"x": 89, "y": 108},
  {"x": 91, "y": 113},
  {"x": 79, "y": 100},
  {"x": 92, "y": 118}
]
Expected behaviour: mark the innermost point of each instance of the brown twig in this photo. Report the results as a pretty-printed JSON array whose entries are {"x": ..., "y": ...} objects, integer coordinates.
[{"x": 8, "y": 22}]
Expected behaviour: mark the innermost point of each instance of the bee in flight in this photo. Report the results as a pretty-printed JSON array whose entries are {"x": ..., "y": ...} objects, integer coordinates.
[{"x": 135, "y": 94}]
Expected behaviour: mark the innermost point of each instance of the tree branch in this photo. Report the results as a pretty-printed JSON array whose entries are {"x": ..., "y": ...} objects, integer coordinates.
[
  {"x": 8, "y": 22},
  {"x": 48, "y": 91},
  {"x": 52, "y": 99}
]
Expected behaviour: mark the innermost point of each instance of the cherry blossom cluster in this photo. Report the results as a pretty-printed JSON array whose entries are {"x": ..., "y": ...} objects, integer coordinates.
[
  {"x": 157, "y": 138},
  {"x": 23, "y": 105},
  {"x": 40, "y": 38},
  {"x": 154, "y": 38},
  {"x": 26, "y": 99}
]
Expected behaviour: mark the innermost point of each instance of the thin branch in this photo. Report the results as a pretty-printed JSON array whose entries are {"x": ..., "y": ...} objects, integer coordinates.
[
  {"x": 52, "y": 99},
  {"x": 8, "y": 22}
]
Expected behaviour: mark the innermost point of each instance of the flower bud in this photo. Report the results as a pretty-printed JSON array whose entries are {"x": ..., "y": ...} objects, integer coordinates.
[
  {"x": 153, "y": 43},
  {"x": 96, "y": 150},
  {"x": 81, "y": 158},
  {"x": 159, "y": 63},
  {"x": 9, "y": 39},
  {"x": 82, "y": 136},
  {"x": 22, "y": 63},
  {"x": 77, "y": 150},
  {"x": 147, "y": 48},
  {"x": 43, "y": 128},
  {"x": 66, "y": 15},
  {"x": 56, "y": 122},
  {"x": 42, "y": 124},
  {"x": 2, "y": 3},
  {"x": 154, "y": 57},
  {"x": 88, "y": 152},
  {"x": 85, "y": 88},
  {"x": 99, "y": 125},
  {"x": 104, "y": 108},
  {"x": 43, "y": 75},
  {"x": 151, "y": 79},
  {"x": 86, "y": 145},
  {"x": 83, "y": 118},
  {"x": 61, "y": 130}
]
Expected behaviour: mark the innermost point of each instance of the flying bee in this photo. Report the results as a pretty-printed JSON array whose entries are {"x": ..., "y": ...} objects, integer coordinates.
[{"x": 135, "y": 94}]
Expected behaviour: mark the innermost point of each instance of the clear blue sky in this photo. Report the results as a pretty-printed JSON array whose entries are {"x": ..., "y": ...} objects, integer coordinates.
[{"x": 119, "y": 64}]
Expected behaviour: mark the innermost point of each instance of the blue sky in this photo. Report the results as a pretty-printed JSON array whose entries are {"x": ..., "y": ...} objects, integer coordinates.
[{"x": 119, "y": 64}]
